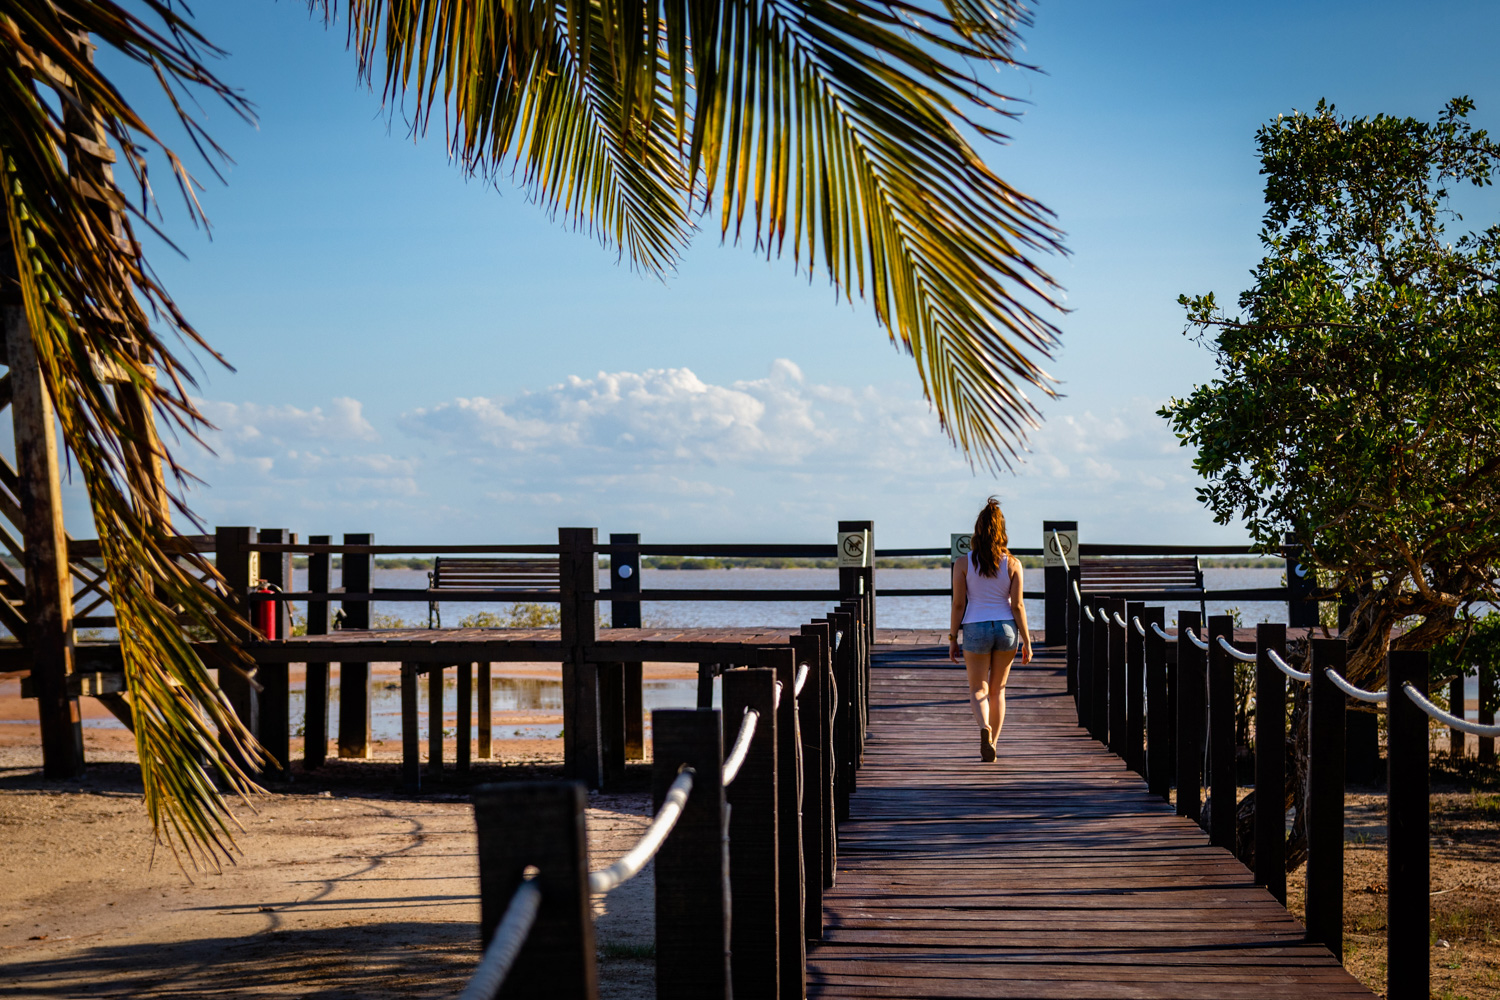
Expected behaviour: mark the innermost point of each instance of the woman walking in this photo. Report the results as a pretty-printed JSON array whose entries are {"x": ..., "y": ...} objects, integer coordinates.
[{"x": 989, "y": 609}]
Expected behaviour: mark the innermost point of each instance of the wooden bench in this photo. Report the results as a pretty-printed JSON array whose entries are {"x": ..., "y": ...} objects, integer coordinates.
[
  {"x": 1129, "y": 574},
  {"x": 499, "y": 575}
]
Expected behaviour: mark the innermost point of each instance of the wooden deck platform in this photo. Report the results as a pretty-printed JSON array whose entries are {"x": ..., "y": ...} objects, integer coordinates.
[{"x": 1051, "y": 873}]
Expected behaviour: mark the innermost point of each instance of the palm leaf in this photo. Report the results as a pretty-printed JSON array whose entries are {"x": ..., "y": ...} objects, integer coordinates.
[
  {"x": 843, "y": 121},
  {"x": 92, "y": 302}
]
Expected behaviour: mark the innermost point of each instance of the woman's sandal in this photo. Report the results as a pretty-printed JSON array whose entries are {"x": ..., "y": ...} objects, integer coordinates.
[{"x": 986, "y": 745}]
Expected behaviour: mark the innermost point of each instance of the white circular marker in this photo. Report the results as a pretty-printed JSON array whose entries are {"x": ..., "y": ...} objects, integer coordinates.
[{"x": 625, "y": 572}]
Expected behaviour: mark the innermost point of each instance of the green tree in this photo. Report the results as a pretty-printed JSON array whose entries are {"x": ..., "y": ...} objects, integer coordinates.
[
  {"x": 834, "y": 131},
  {"x": 1356, "y": 401}
]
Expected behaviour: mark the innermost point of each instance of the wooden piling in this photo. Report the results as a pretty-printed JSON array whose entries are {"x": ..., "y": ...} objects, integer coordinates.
[
  {"x": 411, "y": 753},
  {"x": 1408, "y": 865},
  {"x": 754, "y": 875},
  {"x": 1099, "y": 697},
  {"x": 612, "y": 722},
  {"x": 812, "y": 648},
  {"x": 486, "y": 712},
  {"x": 1135, "y": 689},
  {"x": 465, "y": 730},
  {"x": 315, "y": 718},
  {"x": 557, "y": 961},
  {"x": 275, "y": 695},
  {"x": 1222, "y": 777},
  {"x": 1191, "y": 695},
  {"x": 240, "y": 569},
  {"x": 692, "y": 867},
  {"x": 625, "y": 576},
  {"x": 1270, "y": 761},
  {"x": 1159, "y": 720},
  {"x": 1325, "y": 799},
  {"x": 792, "y": 918},
  {"x": 578, "y": 580},
  {"x": 1117, "y": 674},
  {"x": 1084, "y": 696},
  {"x": 354, "y": 678}
]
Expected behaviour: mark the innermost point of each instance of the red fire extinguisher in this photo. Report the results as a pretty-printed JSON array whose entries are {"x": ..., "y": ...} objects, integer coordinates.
[{"x": 264, "y": 615}]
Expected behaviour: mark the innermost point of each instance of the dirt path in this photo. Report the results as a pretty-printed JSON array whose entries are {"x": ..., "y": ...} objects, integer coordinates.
[{"x": 336, "y": 895}]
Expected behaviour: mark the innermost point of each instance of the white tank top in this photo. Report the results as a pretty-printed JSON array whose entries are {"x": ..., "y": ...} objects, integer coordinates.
[{"x": 989, "y": 596}]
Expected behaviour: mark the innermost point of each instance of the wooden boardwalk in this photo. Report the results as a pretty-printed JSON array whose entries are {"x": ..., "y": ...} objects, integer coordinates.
[{"x": 1049, "y": 874}]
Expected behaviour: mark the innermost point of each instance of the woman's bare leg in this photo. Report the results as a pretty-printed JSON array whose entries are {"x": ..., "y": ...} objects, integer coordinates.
[
  {"x": 977, "y": 666},
  {"x": 999, "y": 674}
]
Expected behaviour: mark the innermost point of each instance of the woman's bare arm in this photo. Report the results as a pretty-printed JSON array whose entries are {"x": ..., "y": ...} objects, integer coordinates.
[
  {"x": 956, "y": 613},
  {"x": 1018, "y": 607}
]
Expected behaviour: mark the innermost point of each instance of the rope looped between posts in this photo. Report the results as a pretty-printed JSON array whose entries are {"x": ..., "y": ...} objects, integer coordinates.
[
  {"x": 635, "y": 859},
  {"x": 1447, "y": 719},
  {"x": 802, "y": 673},
  {"x": 1287, "y": 668},
  {"x": 1193, "y": 638},
  {"x": 1373, "y": 697},
  {"x": 1089, "y": 611},
  {"x": 1237, "y": 653},
  {"x": 1140, "y": 629},
  {"x": 741, "y": 746},
  {"x": 506, "y": 944},
  {"x": 1162, "y": 633}
]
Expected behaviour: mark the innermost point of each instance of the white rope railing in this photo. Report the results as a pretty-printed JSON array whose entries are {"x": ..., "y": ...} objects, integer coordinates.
[
  {"x": 1373, "y": 697},
  {"x": 1140, "y": 629},
  {"x": 1119, "y": 619},
  {"x": 1287, "y": 668},
  {"x": 802, "y": 673},
  {"x": 1238, "y": 654},
  {"x": 506, "y": 944},
  {"x": 1060, "y": 553},
  {"x": 1162, "y": 633},
  {"x": 1448, "y": 719},
  {"x": 1193, "y": 638},
  {"x": 741, "y": 745},
  {"x": 1077, "y": 594},
  {"x": 1087, "y": 611},
  {"x": 635, "y": 859},
  {"x": 776, "y": 697}
]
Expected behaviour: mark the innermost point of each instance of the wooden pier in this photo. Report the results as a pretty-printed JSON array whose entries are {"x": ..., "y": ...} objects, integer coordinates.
[{"x": 1052, "y": 873}]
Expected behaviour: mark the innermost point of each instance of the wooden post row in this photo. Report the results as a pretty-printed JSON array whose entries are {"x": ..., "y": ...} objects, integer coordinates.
[
  {"x": 1159, "y": 721},
  {"x": 692, "y": 867},
  {"x": 1325, "y": 799},
  {"x": 1408, "y": 900},
  {"x": 557, "y": 961},
  {"x": 1222, "y": 783},
  {"x": 1270, "y": 761},
  {"x": 843, "y": 710},
  {"x": 811, "y": 647},
  {"x": 1190, "y": 699},
  {"x": 789, "y": 785},
  {"x": 754, "y": 857}
]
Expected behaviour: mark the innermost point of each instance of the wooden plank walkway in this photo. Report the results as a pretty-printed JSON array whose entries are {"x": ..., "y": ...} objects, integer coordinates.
[{"x": 1051, "y": 873}]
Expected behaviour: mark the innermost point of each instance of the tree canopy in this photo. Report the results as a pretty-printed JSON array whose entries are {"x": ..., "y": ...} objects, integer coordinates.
[{"x": 1357, "y": 400}]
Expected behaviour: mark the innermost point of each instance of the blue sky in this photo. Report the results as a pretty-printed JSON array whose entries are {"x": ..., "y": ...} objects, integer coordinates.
[{"x": 432, "y": 359}]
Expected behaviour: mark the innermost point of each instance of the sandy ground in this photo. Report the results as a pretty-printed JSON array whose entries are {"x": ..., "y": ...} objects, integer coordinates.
[{"x": 343, "y": 888}]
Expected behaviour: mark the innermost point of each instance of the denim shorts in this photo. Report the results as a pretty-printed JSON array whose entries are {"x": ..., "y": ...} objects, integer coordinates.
[{"x": 990, "y": 637}]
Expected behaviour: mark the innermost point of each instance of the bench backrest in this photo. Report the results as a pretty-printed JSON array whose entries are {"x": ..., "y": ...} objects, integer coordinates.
[
  {"x": 1124, "y": 573},
  {"x": 494, "y": 574}
]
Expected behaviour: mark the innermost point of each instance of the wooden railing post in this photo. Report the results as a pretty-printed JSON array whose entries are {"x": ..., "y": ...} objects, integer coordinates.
[
  {"x": 625, "y": 577},
  {"x": 1084, "y": 696},
  {"x": 354, "y": 678},
  {"x": 817, "y": 783},
  {"x": 411, "y": 742},
  {"x": 465, "y": 734},
  {"x": 1058, "y": 594},
  {"x": 1099, "y": 697},
  {"x": 790, "y": 860},
  {"x": 1301, "y": 583},
  {"x": 1456, "y": 701},
  {"x": 1073, "y": 617},
  {"x": 1222, "y": 778},
  {"x": 275, "y": 694},
  {"x": 858, "y": 674},
  {"x": 486, "y": 706},
  {"x": 1190, "y": 698},
  {"x": 1270, "y": 761},
  {"x": 1325, "y": 799},
  {"x": 539, "y": 824},
  {"x": 1159, "y": 721},
  {"x": 843, "y": 711},
  {"x": 754, "y": 823},
  {"x": 692, "y": 868},
  {"x": 578, "y": 578},
  {"x": 858, "y": 584},
  {"x": 1486, "y": 711},
  {"x": 435, "y": 721},
  {"x": 1135, "y": 689},
  {"x": 1408, "y": 900},
  {"x": 1117, "y": 676},
  {"x": 240, "y": 569},
  {"x": 315, "y": 718}
]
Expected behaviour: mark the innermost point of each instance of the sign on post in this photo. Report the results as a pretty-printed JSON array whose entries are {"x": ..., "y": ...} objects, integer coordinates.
[
  {"x": 958, "y": 545},
  {"x": 1059, "y": 548},
  {"x": 854, "y": 549}
]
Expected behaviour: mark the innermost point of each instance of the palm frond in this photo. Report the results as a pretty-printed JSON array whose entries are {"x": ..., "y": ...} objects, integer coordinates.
[
  {"x": 844, "y": 122},
  {"x": 92, "y": 303}
]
